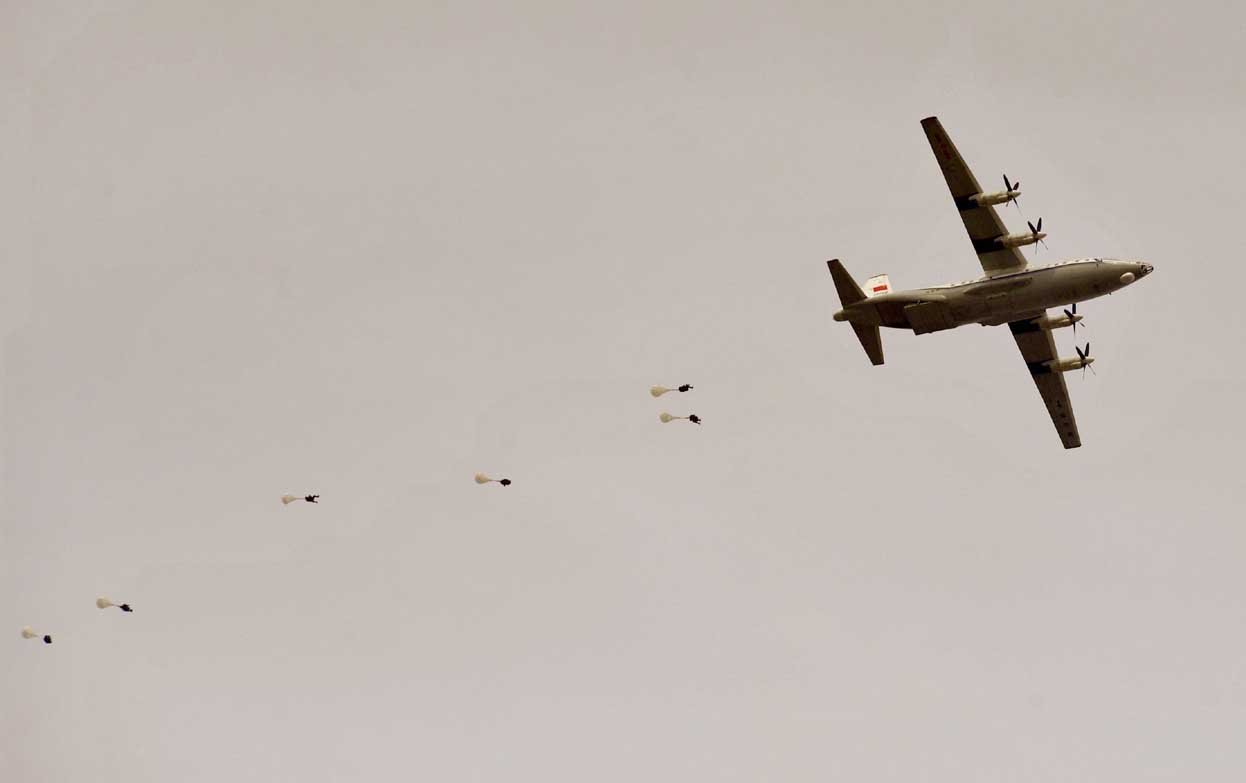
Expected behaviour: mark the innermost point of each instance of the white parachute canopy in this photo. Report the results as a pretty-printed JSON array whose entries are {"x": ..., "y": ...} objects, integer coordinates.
[
  {"x": 29, "y": 633},
  {"x": 103, "y": 603},
  {"x": 658, "y": 391},
  {"x": 288, "y": 499},
  {"x": 666, "y": 418}
]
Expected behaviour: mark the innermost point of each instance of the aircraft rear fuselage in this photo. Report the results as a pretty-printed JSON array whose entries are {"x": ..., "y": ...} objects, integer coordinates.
[{"x": 997, "y": 299}]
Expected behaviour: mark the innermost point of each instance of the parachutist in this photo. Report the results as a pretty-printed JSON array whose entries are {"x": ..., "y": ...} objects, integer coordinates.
[
  {"x": 504, "y": 482},
  {"x": 667, "y": 418},
  {"x": 28, "y": 633},
  {"x": 312, "y": 498},
  {"x": 685, "y": 387},
  {"x": 126, "y": 608}
]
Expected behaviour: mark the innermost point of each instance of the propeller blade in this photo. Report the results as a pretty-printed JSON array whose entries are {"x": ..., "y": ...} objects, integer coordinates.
[
  {"x": 1031, "y": 225},
  {"x": 1075, "y": 308},
  {"x": 1040, "y": 225},
  {"x": 1080, "y": 355},
  {"x": 1070, "y": 315},
  {"x": 1007, "y": 184}
]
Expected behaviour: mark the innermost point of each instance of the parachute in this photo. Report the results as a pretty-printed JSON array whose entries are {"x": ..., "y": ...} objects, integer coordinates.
[
  {"x": 27, "y": 633},
  {"x": 481, "y": 478},
  {"x": 658, "y": 391},
  {"x": 104, "y": 603},
  {"x": 667, "y": 418},
  {"x": 288, "y": 499}
]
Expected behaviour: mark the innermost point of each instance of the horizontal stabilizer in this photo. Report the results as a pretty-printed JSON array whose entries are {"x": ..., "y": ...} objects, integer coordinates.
[{"x": 871, "y": 341}]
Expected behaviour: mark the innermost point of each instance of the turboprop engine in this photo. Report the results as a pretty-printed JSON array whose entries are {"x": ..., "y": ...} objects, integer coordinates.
[
  {"x": 1069, "y": 318},
  {"x": 1012, "y": 193},
  {"x": 1065, "y": 365},
  {"x": 1018, "y": 240},
  {"x": 991, "y": 199},
  {"x": 1083, "y": 360}
]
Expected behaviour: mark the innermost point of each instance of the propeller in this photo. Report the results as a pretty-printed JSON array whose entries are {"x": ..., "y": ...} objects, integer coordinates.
[
  {"x": 1014, "y": 192},
  {"x": 1085, "y": 358},
  {"x": 1072, "y": 314},
  {"x": 1036, "y": 230}
]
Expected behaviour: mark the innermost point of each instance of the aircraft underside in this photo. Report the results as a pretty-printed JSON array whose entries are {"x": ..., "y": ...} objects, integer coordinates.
[
  {"x": 990, "y": 302},
  {"x": 1011, "y": 292}
]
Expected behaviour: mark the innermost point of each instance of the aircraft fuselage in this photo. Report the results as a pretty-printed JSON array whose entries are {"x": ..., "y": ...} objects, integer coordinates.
[{"x": 996, "y": 299}]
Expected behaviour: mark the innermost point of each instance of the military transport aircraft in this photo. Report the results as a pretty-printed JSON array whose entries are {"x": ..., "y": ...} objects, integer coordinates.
[{"x": 1011, "y": 292}]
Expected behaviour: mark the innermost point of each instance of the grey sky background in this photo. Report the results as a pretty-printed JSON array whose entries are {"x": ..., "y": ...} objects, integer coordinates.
[{"x": 367, "y": 250}]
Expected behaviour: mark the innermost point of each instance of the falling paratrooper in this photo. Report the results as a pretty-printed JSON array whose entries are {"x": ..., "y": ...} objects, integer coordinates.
[
  {"x": 28, "y": 633},
  {"x": 288, "y": 499},
  {"x": 104, "y": 603},
  {"x": 667, "y": 418},
  {"x": 481, "y": 478},
  {"x": 658, "y": 391}
]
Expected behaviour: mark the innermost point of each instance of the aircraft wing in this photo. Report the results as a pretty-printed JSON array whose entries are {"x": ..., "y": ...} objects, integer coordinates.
[
  {"x": 982, "y": 223},
  {"x": 1038, "y": 347}
]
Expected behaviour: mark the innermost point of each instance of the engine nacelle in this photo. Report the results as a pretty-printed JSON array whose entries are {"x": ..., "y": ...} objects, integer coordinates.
[
  {"x": 990, "y": 199},
  {"x": 1066, "y": 365},
  {"x": 1020, "y": 240},
  {"x": 1048, "y": 322}
]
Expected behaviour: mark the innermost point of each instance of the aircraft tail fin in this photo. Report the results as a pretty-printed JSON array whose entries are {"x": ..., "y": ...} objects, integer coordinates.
[
  {"x": 849, "y": 291},
  {"x": 878, "y": 284},
  {"x": 871, "y": 341}
]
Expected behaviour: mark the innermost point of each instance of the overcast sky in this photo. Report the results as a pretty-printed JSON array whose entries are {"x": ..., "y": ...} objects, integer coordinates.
[{"x": 369, "y": 249}]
